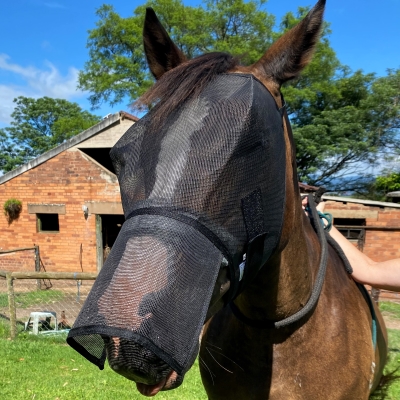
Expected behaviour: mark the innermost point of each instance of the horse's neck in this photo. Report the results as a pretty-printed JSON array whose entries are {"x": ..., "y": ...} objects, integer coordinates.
[{"x": 284, "y": 284}]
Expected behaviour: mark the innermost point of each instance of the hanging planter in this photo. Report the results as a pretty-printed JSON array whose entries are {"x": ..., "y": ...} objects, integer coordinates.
[{"x": 12, "y": 209}]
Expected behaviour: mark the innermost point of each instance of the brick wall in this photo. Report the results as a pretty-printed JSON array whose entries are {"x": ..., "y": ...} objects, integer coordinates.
[
  {"x": 70, "y": 178},
  {"x": 380, "y": 245},
  {"x": 18, "y": 261}
]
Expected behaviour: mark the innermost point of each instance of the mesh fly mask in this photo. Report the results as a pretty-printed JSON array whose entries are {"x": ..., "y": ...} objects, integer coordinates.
[{"x": 205, "y": 188}]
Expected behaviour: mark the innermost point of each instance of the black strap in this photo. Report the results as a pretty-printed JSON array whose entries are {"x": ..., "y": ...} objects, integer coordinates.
[
  {"x": 282, "y": 110},
  {"x": 253, "y": 214},
  {"x": 316, "y": 291}
]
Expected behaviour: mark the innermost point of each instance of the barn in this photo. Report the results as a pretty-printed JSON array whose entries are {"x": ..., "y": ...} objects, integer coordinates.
[
  {"x": 372, "y": 226},
  {"x": 71, "y": 205},
  {"x": 72, "y": 212}
]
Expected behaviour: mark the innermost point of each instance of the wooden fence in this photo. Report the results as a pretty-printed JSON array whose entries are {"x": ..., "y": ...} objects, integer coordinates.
[{"x": 11, "y": 276}]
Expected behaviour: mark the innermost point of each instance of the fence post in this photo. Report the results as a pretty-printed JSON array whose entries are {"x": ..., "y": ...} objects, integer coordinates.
[
  {"x": 11, "y": 305},
  {"x": 37, "y": 266}
]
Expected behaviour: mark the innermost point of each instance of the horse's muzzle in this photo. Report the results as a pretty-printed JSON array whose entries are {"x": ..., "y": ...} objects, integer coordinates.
[{"x": 140, "y": 365}]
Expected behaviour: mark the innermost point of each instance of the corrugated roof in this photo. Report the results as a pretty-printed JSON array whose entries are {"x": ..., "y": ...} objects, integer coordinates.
[{"x": 361, "y": 201}]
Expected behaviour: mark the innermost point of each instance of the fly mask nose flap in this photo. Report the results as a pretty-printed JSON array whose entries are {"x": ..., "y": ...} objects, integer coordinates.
[
  {"x": 154, "y": 289},
  {"x": 185, "y": 187}
]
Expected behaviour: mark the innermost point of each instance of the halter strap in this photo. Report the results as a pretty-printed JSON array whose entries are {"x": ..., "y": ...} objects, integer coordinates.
[
  {"x": 282, "y": 110},
  {"x": 316, "y": 291}
]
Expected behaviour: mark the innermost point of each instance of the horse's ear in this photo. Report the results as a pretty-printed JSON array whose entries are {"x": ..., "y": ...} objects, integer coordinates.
[
  {"x": 161, "y": 52},
  {"x": 286, "y": 58}
]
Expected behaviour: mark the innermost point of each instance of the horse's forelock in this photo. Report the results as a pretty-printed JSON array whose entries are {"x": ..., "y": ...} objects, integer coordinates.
[{"x": 184, "y": 82}]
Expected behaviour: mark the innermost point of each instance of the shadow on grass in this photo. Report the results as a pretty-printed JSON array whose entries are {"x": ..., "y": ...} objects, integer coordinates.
[{"x": 384, "y": 390}]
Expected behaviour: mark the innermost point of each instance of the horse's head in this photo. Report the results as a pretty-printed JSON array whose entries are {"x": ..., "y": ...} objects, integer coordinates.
[{"x": 202, "y": 180}]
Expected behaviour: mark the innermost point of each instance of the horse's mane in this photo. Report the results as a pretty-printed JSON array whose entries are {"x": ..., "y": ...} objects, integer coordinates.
[{"x": 184, "y": 82}]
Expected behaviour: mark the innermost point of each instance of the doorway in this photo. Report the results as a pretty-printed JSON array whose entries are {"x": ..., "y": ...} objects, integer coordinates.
[{"x": 107, "y": 230}]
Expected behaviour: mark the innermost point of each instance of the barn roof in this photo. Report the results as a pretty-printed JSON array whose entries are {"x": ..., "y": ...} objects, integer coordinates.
[
  {"x": 361, "y": 201},
  {"x": 105, "y": 123}
]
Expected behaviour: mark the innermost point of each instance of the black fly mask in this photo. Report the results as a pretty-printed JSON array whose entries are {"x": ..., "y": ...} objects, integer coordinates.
[{"x": 205, "y": 189}]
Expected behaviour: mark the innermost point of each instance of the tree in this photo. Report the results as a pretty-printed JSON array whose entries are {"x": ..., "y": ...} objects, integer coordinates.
[
  {"x": 380, "y": 186},
  {"x": 341, "y": 120},
  {"x": 8, "y": 154},
  {"x": 39, "y": 125},
  {"x": 388, "y": 183},
  {"x": 117, "y": 67},
  {"x": 351, "y": 125}
]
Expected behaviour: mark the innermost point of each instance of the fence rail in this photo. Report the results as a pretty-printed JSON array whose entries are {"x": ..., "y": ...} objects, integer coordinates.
[
  {"x": 62, "y": 295},
  {"x": 81, "y": 276},
  {"x": 17, "y": 250}
]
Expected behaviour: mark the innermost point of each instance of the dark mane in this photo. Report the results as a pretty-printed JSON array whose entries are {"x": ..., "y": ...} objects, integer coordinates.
[{"x": 184, "y": 82}]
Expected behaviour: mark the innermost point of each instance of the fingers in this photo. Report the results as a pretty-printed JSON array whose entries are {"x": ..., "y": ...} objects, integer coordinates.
[{"x": 321, "y": 206}]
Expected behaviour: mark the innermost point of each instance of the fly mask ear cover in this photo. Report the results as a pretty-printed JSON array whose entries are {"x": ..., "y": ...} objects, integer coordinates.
[{"x": 207, "y": 184}]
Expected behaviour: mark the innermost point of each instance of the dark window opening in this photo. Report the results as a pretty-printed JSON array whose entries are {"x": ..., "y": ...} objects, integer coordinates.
[
  {"x": 350, "y": 221},
  {"x": 48, "y": 223},
  {"x": 352, "y": 229},
  {"x": 102, "y": 156}
]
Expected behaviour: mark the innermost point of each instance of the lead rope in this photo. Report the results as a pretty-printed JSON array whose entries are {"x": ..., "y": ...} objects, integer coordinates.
[
  {"x": 316, "y": 291},
  {"x": 312, "y": 301}
]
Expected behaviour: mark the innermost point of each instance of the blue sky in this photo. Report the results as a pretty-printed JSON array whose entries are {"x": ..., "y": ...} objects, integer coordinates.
[{"x": 43, "y": 42}]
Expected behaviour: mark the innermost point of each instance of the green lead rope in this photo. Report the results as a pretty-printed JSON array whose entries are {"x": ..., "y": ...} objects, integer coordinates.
[
  {"x": 323, "y": 216},
  {"x": 329, "y": 219}
]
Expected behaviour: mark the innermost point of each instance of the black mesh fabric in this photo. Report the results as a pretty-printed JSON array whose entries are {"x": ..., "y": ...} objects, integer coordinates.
[{"x": 207, "y": 184}]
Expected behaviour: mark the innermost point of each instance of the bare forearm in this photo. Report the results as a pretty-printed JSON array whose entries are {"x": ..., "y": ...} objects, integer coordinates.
[{"x": 384, "y": 274}]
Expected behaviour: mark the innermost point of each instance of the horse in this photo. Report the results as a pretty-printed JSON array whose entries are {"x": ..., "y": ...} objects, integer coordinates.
[{"x": 283, "y": 318}]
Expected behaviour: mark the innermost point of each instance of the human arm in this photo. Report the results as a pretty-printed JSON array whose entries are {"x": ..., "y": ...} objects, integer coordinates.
[{"x": 383, "y": 275}]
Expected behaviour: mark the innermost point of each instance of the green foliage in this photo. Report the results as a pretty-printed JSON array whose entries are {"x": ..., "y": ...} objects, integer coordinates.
[
  {"x": 12, "y": 208},
  {"x": 388, "y": 183},
  {"x": 117, "y": 66},
  {"x": 378, "y": 188},
  {"x": 340, "y": 119},
  {"x": 38, "y": 125}
]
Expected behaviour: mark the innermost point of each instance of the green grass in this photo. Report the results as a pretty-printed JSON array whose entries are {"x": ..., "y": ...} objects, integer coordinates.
[
  {"x": 41, "y": 368},
  {"x": 390, "y": 309},
  {"x": 27, "y": 299},
  {"x": 46, "y": 368},
  {"x": 391, "y": 391}
]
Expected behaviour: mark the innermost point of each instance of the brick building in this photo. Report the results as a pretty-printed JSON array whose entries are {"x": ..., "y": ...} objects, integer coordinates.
[
  {"x": 373, "y": 226},
  {"x": 71, "y": 206}
]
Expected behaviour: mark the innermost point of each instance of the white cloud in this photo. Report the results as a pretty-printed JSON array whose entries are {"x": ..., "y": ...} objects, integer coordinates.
[
  {"x": 7, "y": 95},
  {"x": 38, "y": 83}
]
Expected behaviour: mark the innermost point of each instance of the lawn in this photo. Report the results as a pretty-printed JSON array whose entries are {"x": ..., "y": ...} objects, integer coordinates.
[
  {"x": 27, "y": 299},
  {"x": 390, "y": 309},
  {"x": 393, "y": 364},
  {"x": 41, "y": 368}
]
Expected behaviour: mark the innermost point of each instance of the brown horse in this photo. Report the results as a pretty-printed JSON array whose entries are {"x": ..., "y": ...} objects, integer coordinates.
[{"x": 279, "y": 337}]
